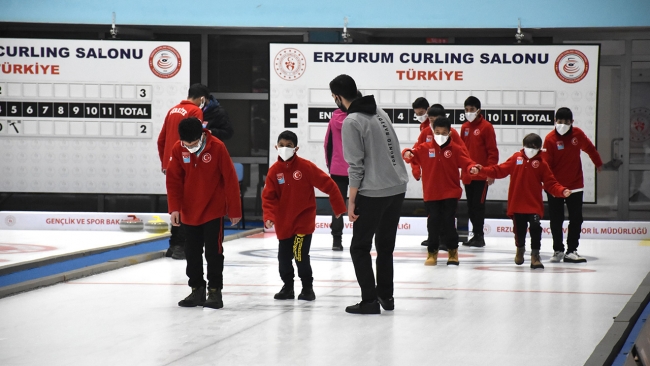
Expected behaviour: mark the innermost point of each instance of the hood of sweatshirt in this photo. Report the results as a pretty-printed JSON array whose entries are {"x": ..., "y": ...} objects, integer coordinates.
[{"x": 365, "y": 105}]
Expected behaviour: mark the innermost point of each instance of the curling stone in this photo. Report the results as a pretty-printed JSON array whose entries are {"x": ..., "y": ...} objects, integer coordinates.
[
  {"x": 156, "y": 226},
  {"x": 131, "y": 224}
]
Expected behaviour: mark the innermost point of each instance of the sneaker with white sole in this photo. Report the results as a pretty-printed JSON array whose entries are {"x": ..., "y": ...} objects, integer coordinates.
[
  {"x": 574, "y": 257},
  {"x": 557, "y": 257}
]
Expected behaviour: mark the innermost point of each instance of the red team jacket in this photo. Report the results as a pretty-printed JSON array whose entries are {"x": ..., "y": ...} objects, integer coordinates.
[
  {"x": 563, "y": 156},
  {"x": 526, "y": 178},
  {"x": 481, "y": 142},
  {"x": 204, "y": 187},
  {"x": 289, "y": 200},
  {"x": 426, "y": 135},
  {"x": 169, "y": 133},
  {"x": 440, "y": 168}
]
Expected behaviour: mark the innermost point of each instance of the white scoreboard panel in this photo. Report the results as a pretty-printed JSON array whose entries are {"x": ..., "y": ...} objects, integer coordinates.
[
  {"x": 520, "y": 88},
  {"x": 84, "y": 116}
]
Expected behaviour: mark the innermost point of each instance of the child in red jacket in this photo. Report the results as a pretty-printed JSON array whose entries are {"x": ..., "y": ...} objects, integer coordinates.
[
  {"x": 481, "y": 142},
  {"x": 562, "y": 148},
  {"x": 289, "y": 203},
  {"x": 202, "y": 187},
  {"x": 527, "y": 173},
  {"x": 440, "y": 160}
]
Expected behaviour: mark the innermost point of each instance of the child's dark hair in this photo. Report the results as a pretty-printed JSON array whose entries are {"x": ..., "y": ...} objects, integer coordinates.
[
  {"x": 564, "y": 113},
  {"x": 421, "y": 102},
  {"x": 442, "y": 122},
  {"x": 436, "y": 110},
  {"x": 344, "y": 86},
  {"x": 190, "y": 129},
  {"x": 198, "y": 91},
  {"x": 473, "y": 101},
  {"x": 532, "y": 140},
  {"x": 289, "y": 136}
]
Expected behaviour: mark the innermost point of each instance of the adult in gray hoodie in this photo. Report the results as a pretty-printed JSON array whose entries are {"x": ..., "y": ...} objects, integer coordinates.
[{"x": 378, "y": 181}]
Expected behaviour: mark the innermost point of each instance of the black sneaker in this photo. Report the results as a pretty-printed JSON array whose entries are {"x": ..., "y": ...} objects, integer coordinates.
[
  {"x": 178, "y": 252},
  {"x": 169, "y": 252},
  {"x": 307, "y": 294},
  {"x": 371, "y": 307},
  {"x": 337, "y": 244},
  {"x": 214, "y": 300},
  {"x": 285, "y": 294},
  {"x": 425, "y": 243},
  {"x": 196, "y": 298},
  {"x": 387, "y": 304},
  {"x": 476, "y": 242}
]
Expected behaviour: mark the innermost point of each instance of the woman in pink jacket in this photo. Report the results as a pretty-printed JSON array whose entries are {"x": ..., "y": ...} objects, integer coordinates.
[{"x": 338, "y": 169}]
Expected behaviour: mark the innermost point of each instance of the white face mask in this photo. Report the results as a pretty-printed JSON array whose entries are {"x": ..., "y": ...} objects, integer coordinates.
[
  {"x": 440, "y": 139},
  {"x": 422, "y": 118},
  {"x": 470, "y": 116},
  {"x": 202, "y": 103},
  {"x": 562, "y": 128},
  {"x": 285, "y": 153},
  {"x": 530, "y": 152},
  {"x": 195, "y": 148}
]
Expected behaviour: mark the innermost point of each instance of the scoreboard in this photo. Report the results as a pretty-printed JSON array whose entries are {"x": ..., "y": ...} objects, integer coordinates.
[
  {"x": 84, "y": 116},
  {"x": 520, "y": 88}
]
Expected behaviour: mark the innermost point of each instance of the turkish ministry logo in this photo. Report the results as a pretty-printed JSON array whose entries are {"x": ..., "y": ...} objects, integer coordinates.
[
  {"x": 10, "y": 220},
  {"x": 165, "y": 62},
  {"x": 571, "y": 66},
  {"x": 290, "y": 64},
  {"x": 640, "y": 124}
]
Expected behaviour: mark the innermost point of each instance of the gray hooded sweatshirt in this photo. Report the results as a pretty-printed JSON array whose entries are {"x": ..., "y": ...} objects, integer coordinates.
[{"x": 372, "y": 150}]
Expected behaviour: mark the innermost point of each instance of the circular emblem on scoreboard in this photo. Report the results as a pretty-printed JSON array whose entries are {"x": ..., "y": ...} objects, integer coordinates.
[
  {"x": 571, "y": 66},
  {"x": 297, "y": 175},
  {"x": 574, "y": 141},
  {"x": 10, "y": 220},
  {"x": 447, "y": 154},
  {"x": 640, "y": 124},
  {"x": 165, "y": 62},
  {"x": 535, "y": 164},
  {"x": 290, "y": 64},
  {"x": 206, "y": 158}
]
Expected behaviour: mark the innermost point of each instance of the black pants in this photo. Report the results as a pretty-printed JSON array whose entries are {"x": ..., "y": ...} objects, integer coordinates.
[
  {"x": 521, "y": 222},
  {"x": 209, "y": 235},
  {"x": 378, "y": 218},
  {"x": 178, "y": 236},
  {"x": 337, "y": 224},
  {"x": 556, "y": 209},
  {"x": 441, "y": 223},
  {"x": 295, "y": 247},
  {"x": 476, "y": 192}
]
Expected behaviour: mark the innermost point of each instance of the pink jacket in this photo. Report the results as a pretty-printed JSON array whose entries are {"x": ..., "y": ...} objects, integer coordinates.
[{"x": 334, "y": 145}]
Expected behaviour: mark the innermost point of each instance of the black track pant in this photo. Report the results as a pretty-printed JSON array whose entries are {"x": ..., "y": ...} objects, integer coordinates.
[
  {"x": 521, "y": 222},
  {"x": 556, "y": 210},
  {"x": 295, "y": 247},
  {"x": 476, "y": 192},
  {"x": 337, "y": 224},
  {"x": 378, "y": 218},
  {"x": 441, "y": 223},
  {"x": 209, "y": 235}
]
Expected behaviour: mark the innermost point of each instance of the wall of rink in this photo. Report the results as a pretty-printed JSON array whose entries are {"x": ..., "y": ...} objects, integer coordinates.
[
  {"x": 70, "y": 221},
  {"x": 618, "y": 230},
  {"x": 84, "y": 116},
  {"x": 520, "y": 88}
]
